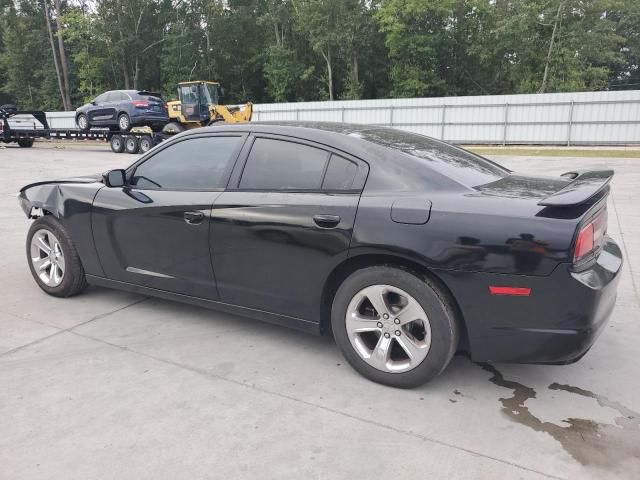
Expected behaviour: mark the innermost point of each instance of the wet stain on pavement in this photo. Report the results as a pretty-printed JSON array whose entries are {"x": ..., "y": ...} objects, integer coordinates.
[{"x": 587, "y": 441}]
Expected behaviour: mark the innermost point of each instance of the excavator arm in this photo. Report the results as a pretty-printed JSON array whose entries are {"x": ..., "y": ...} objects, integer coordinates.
[{"x": 232, "y": 114}]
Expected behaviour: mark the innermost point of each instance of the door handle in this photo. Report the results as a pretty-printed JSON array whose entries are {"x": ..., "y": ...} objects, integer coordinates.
[
  {"x": 326, "y": 221},
  {"x": 193, "y": 218}
]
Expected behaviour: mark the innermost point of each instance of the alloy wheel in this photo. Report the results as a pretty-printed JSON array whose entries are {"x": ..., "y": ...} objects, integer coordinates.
[
  {"x": 123, "y": 122},
  {"x": 388, "y": 328},
  {"x": 47, "y": 258}
]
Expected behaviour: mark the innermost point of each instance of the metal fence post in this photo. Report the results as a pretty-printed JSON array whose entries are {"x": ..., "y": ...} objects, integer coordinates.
[
  {"x": 444, "y": 115},
  {"x": 342, "y": 115},
  {"x": 391, "y": 116},
  {"x": 506, "y": 123},
  {"x": 570, "y": 124},
  {"x": 297, "y": 114}
]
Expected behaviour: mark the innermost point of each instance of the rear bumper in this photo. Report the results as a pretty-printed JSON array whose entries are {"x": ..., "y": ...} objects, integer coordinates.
[
  {"x": 146, "y": 118},
  {"x": 556, "y": 324}
]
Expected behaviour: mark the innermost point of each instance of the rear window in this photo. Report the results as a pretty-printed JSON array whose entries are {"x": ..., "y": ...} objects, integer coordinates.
[
  {"x": 282, "y": 165},
  {"x": 340, "y": 174},
  {"x": 149, "y": 96},
  {"x": 460, "y": 165}
]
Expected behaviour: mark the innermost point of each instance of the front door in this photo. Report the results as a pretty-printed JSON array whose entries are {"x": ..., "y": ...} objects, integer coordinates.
[
  {"x": 154, "y": 231},
  {"x": 277, "y": 236}
]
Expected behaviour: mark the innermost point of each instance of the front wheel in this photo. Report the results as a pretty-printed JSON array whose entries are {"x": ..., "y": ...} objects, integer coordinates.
[
  {"x": 394, "y": 327},
  {"x": 83, "y": 122},
  {"x": 53, "y": 259}
]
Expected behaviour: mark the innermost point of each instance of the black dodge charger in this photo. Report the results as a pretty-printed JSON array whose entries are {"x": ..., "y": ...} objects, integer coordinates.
[{"x": 406, "y": 248}]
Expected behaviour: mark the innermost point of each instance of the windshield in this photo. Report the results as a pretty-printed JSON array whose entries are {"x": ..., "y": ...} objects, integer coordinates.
[
  {"x": 458, "y": 164},
  {"x": 210, "y": 94}
]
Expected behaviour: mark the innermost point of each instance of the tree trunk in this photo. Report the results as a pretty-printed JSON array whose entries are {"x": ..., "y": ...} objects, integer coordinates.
[
  {"x": 545, "y": 76},
  {"x": 55, "y": 56},
  {"x": 354, "y": 67},
  {"x": 327, "y": 58},
  {"x": 63, "y": 56},
  {"x": 277, "y": 32},
  {"x": 125, "y": 73},
  {"x": 136, "y": 74}
]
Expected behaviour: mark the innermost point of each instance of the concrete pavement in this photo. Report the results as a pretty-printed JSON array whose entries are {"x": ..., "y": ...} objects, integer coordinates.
[{"x": 110, "y": 385}]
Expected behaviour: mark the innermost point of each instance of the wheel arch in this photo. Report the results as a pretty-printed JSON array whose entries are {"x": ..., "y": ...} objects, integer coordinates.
[{"x": 351, "y": 264}]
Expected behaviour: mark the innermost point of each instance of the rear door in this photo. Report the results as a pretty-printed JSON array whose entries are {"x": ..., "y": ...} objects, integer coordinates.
[
  {"x": 154, "y": 232},
  {"x": 98, "y": 112},
  {"x": 283, "y": 224}
]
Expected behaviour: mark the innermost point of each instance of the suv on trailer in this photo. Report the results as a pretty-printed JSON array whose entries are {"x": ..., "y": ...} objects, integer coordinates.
[{"x": 123, "y": 109}]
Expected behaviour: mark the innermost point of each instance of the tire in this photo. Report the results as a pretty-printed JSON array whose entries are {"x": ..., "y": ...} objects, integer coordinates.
[
  {"x": 131, "y": 144},
  {"x": 83, "y": 122},
  {"x": 433, "y": 340},
  {"x": 25, "y": 142},
  {"x": 173, "y": 128},
  {"x": 145, "y": 144},
  {"x": 117, "y": 143},
  {"x": 69, "y": 277},
  {"x": 124, "y": 122}
]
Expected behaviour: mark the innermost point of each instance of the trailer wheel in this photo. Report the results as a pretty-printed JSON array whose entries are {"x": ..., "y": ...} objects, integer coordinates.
[
  {"x": 117, "y": 144},
  {"x": 145, "y": 144},
  {"x": 26, "y": 142},
  {"x": 131, "y": 144}
]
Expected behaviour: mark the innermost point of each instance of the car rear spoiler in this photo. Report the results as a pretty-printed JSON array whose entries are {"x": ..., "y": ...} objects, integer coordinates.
[{"x": 584, "y": 185}]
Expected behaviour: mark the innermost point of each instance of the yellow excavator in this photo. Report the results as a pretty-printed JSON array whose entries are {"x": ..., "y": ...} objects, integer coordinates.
[{"x": 199, "y": 104}]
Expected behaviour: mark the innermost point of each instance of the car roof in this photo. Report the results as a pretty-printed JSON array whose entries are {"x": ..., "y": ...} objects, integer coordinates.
[{"x": 385, "y": 147}]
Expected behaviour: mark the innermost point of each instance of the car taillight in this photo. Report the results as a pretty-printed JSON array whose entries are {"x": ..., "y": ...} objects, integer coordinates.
[
  {"x": 140, "y": 103},
  {"x": 591, "y": 236}
]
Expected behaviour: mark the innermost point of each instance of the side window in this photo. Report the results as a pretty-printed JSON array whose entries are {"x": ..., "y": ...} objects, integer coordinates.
[
  {"x": 340, "y": 174},
  {"x": 101, "y": 98},
  {"x": 192, "y": 164},
  {"x": 282, "y": 165}
]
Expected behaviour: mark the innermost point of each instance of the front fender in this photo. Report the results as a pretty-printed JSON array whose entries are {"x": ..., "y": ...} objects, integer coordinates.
[
  {"x": 70, "y": 202},
  {"x": 38, "y": 198}
]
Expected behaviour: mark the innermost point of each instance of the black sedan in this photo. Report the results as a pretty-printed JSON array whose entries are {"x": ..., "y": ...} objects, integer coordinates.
[
  {"x": 406, "y": 248},
  {"x": 123, "y": 109}
]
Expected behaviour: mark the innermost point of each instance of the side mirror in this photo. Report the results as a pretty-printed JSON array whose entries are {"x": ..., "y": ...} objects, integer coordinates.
[
  {"x": 93, "y": 102},
  {"x": 114, "y": 178}
]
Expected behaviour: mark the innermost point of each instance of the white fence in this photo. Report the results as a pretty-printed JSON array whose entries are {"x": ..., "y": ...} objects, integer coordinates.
[{"x": 580, "y": 118}]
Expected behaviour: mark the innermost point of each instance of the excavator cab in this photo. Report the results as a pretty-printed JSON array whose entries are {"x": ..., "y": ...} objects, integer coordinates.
[
  {"x": 199, "y": 104},
  {"x": 197, "y": 98}
]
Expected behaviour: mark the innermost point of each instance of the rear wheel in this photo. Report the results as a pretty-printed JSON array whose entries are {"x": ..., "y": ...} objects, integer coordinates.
[
  {"x": 83, "y": 122},
  {"x": 145, "y": 144},
  {"x": 53, "y": 259},
  {"x": 124, "y": 122},
  {"x": 394, "y": 327},
  {"x": 117, "y": 143},
  {"x": 25, "y": 142},
  {"x": 131, "y": 144}
]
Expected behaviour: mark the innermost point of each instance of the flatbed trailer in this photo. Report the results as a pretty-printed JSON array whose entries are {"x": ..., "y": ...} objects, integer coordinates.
[{"x": 137, "y": 140}]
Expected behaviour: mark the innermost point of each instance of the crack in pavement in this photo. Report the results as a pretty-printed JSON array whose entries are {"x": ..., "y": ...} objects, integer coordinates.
[
  {"x": 252, "y": 386},
  {"x": 626, "y": 252},
  {"x": 65, "y": 330}
]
